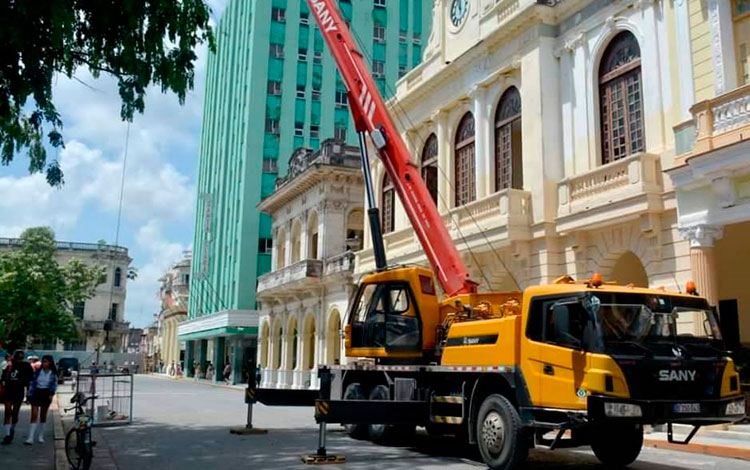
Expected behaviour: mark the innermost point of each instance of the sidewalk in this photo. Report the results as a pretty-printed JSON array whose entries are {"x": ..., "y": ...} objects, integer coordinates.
[
  {"x": 731, "y": 443},
  {"x": 18, "y": 456},
  {"x": 102, "y": 454},
  {"x": 200, "y": 381}
]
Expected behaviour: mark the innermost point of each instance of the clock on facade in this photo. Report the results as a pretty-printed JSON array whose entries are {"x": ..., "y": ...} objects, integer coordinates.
[{"x": 459, "y": 9}]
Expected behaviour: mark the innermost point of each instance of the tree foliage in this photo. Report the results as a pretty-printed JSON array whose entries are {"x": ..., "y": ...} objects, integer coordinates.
[
  {"x": 37, "y": 294},
  {"x": 140, "y": 42}
]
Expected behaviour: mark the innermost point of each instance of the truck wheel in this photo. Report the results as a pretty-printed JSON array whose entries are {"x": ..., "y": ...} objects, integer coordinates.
[
  {"x": 617, "y": 445},
  {"x": 500, "y": 436},
  {"x": 383, "y": 433},
  {"x": 354, "y": 392}
]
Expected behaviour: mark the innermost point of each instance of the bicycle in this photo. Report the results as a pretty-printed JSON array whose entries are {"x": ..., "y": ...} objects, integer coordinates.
[{"x": 78, "y": 443}]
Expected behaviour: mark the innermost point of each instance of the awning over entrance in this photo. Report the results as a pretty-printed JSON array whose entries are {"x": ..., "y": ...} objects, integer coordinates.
[{"x": 223, "y": 323}]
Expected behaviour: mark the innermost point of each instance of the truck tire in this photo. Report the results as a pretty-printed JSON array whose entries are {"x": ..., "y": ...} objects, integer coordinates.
[
  {"x": 384, "y": 433},
  {"x": 617, "y": 445},
  {"x": 500, "y": 436},
  {"x": 353, "y": 391}
]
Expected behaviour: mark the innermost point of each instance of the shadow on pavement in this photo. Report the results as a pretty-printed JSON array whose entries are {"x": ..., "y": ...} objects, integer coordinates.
[{"x": 151, "y": 445}]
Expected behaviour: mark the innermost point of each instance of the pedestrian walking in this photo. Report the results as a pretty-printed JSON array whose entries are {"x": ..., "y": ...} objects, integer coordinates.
[
  {"x": 197, "y": 371},
  {"x": 14, "y": 380},
  {"x": 41, "y": 389},
  {"x": 227, "y": 373},
  {"x": 171, "y": 370},
  {"x": 34, "y": 362},
  {"x": 209, "y": 371},
  {"x": 7, "y": 358}
]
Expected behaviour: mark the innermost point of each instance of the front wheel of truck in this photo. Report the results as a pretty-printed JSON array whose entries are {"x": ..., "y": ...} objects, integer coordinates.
[
  {"x": 500, "y": 436},
  {"x": 617, "y": 445}
]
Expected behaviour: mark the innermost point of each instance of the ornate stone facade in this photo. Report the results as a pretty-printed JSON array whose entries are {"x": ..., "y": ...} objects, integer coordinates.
[
  {"x": 571, "y": 213},
  {"x": 317, "y": 218}
]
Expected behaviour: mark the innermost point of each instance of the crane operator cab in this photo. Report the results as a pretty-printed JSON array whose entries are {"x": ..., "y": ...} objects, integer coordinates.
[{"x": 392, "y": 315}]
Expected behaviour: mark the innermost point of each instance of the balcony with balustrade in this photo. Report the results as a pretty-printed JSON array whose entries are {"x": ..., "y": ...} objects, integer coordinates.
[
  {"x": 500, "y": 219},
  {"x": 717, "y": 123},
  {"x": 295, "y": 278},
  {"x": 621, "y": 190}
]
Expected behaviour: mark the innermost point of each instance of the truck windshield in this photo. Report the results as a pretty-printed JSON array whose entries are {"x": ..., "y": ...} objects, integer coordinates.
[{"x": 654, "y": 324}]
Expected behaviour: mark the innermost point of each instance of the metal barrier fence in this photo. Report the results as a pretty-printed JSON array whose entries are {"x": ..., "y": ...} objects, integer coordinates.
[{"x": 113, "y": 404}]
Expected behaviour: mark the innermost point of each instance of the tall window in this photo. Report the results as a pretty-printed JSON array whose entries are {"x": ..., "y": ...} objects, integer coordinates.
[
  {"x": 508, "y": 165},
  {"x": 387, "y": 205},
  {"x": 621, "y": 99},
  {"x": 79, "y": 308},
  {"x": 113, "y": 311},
  {"x": 118, "y": 277},
  {"x": 430, "y": 166},
  {"x": 465, "y": 180}
]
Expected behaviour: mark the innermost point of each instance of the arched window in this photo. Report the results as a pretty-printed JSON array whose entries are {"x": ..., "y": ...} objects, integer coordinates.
[
  {"x": 312, "y": 236},
  {"x": 508, "y": 166},
  {"x": 355, "y": 229},
  {"x": 430, "y": 166},
  {"x": 387, "y": 205},
  {"x": 621, "y": 99},
  {"x": 118, "y": 277},
  {"x": 465, "y": 179}
]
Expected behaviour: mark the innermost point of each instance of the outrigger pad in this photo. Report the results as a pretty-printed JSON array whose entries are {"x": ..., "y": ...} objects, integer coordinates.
[
  {"x": 247, "y": 431},
  {"x": 315, "y": 459}
]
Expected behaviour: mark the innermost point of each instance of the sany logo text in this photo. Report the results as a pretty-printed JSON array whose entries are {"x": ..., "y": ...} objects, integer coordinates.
[
  {"x": 324, "y": 16},
  {"x": 677, "y": 375}
]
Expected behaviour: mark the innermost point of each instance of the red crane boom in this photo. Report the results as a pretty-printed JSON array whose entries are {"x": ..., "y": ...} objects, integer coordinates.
[{"x": 371, "y": 115}]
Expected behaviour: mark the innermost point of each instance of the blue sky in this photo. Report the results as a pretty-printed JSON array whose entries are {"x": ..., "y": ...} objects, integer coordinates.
[{"x": 160, "y": 178}]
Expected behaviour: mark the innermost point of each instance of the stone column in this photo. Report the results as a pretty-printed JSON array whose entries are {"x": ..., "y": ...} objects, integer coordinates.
[
  {"x": 444, "y": 149},
  {"x": 288, "y": 244},
  {"x": 702, "y": 259},
  {"x": 202, "y": 355},
  {"x": 189, "y": 358},
  {"x": 481, "y": 141},
  {"x": 219, "y": 344},
  {"x": 722, "y": 42}
]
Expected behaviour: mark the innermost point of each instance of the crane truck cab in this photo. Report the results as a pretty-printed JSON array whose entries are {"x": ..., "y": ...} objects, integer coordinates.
[{"x": 560, "y": 365}]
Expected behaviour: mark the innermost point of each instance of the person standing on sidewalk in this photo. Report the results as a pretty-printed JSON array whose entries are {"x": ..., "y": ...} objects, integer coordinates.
[
  {"x": 41, "y": 389},
  {"x": 227, "y": 373},
  {"x": 15, "y": 378}
]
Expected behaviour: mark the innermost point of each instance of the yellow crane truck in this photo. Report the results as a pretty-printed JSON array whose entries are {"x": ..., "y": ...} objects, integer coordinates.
[{"x": 559, "y": 365}]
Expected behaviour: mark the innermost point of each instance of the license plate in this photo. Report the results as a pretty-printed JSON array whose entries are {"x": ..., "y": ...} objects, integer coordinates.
[{"x": 687, "y": 407}]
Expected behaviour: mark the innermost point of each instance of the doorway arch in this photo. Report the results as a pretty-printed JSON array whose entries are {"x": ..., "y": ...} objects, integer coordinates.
[{"x": 628, "y": 269}]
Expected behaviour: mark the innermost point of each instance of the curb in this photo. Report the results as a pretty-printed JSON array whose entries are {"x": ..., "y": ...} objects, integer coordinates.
[
  {"x": 200, "y": 382},
  {"x": 741, "y": 453},
  {"x": 61, "y": 461}
]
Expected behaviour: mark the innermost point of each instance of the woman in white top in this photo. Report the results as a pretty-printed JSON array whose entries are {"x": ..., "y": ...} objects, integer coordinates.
[{"x": 41, "y": 391}]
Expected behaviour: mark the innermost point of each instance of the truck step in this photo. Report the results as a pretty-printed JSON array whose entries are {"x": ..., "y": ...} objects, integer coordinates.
[
  {"x": 448, "y": 399},
  {"x": 447, "y": 419}
]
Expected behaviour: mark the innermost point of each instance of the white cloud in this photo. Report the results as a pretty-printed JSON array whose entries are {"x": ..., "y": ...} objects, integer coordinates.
[
  {"x": 159, "y": 195},
  {"x": 142, "y": 297}
]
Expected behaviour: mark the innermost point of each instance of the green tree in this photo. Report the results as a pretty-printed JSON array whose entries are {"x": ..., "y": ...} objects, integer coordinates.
[
  {"x": 37, "y": 294},
  {"x": 140, "y": 42}
]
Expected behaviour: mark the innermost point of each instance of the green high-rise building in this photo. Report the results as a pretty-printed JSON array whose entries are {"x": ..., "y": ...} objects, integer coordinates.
[{"x": 272, "y": 86}]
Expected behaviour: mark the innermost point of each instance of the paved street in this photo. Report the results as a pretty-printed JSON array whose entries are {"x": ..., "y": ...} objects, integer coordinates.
[
  {"x": 18, "y": 456},
  {"x": 184, "y": 425}
]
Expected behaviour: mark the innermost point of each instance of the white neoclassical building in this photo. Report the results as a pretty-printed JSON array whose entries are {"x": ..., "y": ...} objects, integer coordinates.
[
  {"x": 317, "y": 216},
  {"x": 711, "y": 169},
  {"x": 543, "y": 129},
  {"x": 173, "y": 294}
]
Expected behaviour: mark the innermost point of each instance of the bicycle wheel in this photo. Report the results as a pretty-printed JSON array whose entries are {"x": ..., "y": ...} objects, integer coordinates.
[{"x": 78, "y": 449}]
